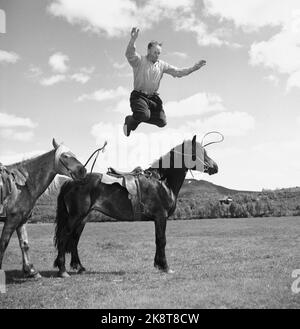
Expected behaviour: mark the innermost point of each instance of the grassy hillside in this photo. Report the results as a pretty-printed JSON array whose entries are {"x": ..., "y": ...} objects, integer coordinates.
[{"x": 199, "y": 199}]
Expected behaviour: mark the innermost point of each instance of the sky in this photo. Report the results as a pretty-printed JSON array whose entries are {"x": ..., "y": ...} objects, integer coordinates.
[{"x": 64, "y": 74}]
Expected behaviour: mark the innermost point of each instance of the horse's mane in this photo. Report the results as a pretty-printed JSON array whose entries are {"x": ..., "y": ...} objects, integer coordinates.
[
  {"x": 27, "y": 161},
  {"x": 157, "y": 167},
  {"x": 169, "y": 155}
]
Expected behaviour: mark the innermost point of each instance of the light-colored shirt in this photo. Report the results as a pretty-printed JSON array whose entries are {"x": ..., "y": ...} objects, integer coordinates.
[{"x": 147, "y": 75}]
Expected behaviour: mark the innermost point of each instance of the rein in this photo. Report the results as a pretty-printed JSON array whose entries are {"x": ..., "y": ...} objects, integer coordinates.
[{"x": 96, "y": 151}]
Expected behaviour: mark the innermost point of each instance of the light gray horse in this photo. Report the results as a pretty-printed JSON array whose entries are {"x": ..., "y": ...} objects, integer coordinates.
[{"x": 28, "y": 180}]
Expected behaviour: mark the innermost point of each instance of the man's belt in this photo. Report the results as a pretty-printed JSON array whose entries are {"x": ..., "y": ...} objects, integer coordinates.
[{"x": 146, "y": 93}]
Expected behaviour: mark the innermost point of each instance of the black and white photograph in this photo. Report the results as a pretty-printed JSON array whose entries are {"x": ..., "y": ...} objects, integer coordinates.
[{"x": 149, "y": 157}]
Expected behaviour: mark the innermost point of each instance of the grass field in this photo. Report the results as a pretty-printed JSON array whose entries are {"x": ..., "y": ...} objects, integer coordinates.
[{"x": 220, "y": 263}]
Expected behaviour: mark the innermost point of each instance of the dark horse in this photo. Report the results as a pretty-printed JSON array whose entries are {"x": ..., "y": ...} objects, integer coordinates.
[
  {"x": 158, "y": 191},
  {"x": 30, "y": 179}
]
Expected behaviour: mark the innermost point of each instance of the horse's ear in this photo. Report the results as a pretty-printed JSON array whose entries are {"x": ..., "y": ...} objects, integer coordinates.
[
  {"x": 194, "y": 139},
  {"x": 54, "y": 143}
]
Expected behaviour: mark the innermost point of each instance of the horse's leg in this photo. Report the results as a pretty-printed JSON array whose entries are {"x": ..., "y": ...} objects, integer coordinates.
[
  {"x": 160, "y": 260},
  {"x": 65, "y": 244},
  {"x": 60, "y": 261},
  {"x": 7, "y": 231},
  {"x": 75, "y": 261},
  {"x": 28, "y": 268}
]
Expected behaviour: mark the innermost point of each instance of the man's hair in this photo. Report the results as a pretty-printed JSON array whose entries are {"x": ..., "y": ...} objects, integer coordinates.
[{"x": 154, "y": 43}]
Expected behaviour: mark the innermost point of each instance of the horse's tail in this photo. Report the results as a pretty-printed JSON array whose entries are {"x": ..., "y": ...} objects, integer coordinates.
[{"x": 62, "y": 216}]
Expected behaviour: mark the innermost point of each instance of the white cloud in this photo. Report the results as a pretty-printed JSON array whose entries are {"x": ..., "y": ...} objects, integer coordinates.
[
  {"x": 123, "y": 106},
  {"x": 197, "y": 104},
  {"x": 11, "y": 134},
  {"x": 120, "y": 66},
  {"x": 117, "y": 19},
  {"x": 58, "y": 64},
  {"x": 12, "y": 121},
  {"x": 54, "y": 79},
  {"x": 178, "y": 54},
  {"x": 204, "y": 37},
  {"x": 10, "y": 125},
  {"x": 252, "y": 14},
  {"x": 98, "y": 16},
  {"x": 227, "y": 123},
  {"x": 80, "y": 77},
  {"x": 104, "y": 94},
  {"x": 8, "y": 57},
  {"x": 34, "y": 72},
  {"x": 87, "y": 70},
  {"x": 58, "y": 61},
  {"x": 293, "y": 81},
  {"x": 281, "y": 52},
  {"x": 13, "y": 157},
  {"x": 273, "y": 79}
]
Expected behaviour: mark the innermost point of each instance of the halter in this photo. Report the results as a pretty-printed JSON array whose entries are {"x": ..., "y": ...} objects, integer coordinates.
[
  {"x": 210, "y": 132},
  {"x": 59, "y": 165}
]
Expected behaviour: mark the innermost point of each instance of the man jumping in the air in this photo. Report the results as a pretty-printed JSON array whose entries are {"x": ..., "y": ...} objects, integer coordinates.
[{"x": 148, "y": 70}]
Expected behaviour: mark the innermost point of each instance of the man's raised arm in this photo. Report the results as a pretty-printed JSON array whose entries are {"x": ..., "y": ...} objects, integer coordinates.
[
  {"x": 132, "y": 56},
  {"x": 178, "y": 73}
]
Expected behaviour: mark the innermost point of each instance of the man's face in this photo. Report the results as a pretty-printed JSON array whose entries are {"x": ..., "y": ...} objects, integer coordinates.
[{"x": 154, "y": 52}]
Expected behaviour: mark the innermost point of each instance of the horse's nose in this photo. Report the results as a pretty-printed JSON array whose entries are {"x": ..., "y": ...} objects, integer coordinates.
[
  {"x": 216, "y": 168},
  {"x": 213, "y": 170}
]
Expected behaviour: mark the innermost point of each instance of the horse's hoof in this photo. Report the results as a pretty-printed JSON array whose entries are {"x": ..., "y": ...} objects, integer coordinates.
[
  {"x": 32, "y": 274},
  {"x": 164, "y": 270},
  {"x": 81, "y": 270},
  {"x": 63, "y": 275},
  {"x": 37, "y": 276}
]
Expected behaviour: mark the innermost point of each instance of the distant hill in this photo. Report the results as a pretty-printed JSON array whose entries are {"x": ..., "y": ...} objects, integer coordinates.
[
  {"x": 199, "y": 199},
  {"x": 193, "y": 187}
]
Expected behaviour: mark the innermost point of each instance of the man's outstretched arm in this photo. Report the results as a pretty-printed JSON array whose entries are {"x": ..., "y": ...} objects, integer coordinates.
[
  {"x": 178, "y": 73},
  {"x": 132, "y": 56}
]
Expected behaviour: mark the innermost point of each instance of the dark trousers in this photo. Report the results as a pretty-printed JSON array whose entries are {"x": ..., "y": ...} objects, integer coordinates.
[{"x": 146, "y": 108}]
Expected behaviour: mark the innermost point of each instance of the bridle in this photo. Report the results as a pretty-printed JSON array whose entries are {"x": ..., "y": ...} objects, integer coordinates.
[
  {"x": 58, "y": 162},
  {"x": 205, "y": 166}
]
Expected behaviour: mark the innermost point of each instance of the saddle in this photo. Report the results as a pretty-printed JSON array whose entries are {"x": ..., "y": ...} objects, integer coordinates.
[
  {"x": 130, "y": 181},
  {"x": 114, "y": 172},
  {"x": 7, "y": 180}
]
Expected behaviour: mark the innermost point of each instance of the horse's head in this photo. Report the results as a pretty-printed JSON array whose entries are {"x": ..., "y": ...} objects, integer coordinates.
[
  {"x": 196, "y": 158},
  {"x": 66, "y": 162}
]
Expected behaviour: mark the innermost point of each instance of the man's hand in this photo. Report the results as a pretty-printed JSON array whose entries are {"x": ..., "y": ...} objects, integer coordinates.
[
  {"x": 134, "y": 33},
  {"x": 199, "y": 64}
]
